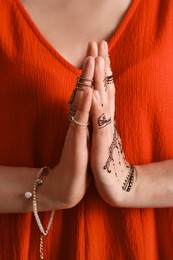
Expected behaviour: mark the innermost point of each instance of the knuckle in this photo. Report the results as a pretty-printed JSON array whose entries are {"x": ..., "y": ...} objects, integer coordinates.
[{"x": 99, "y": 59}]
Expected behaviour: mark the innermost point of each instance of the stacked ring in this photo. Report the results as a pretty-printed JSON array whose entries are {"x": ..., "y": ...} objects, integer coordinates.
[
  {"x": 81, "y": 82},
  {"x": 109, "y": 79}
]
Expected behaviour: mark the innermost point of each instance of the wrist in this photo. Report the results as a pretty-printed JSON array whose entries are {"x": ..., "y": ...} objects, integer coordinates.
[{"x": 118, "y": 191}]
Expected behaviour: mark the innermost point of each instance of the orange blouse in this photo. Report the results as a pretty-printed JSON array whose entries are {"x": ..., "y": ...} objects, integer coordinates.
[{"x": 35, "y": 85}]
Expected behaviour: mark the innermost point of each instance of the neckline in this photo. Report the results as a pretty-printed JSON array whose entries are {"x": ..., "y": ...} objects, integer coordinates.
[{"x": 116, "y": 35}]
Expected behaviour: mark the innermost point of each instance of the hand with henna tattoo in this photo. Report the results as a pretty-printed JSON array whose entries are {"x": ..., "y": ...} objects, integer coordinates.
[
  {"x": 114, "y": 176},
  {"x": 118, "y": 182}
]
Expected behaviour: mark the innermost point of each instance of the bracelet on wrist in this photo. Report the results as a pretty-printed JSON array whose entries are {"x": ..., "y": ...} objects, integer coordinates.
[{"x": 44, "y": 171}]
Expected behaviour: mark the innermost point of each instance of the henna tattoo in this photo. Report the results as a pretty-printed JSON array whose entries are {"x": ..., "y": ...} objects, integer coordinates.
[
  {"x": 127, "y": 185},
  {"x": 110, "y": 79},
  {"x": 116, "y": 144},
  {"x": 102, "y": 121},
  {"x": 105, "y": 85},
  {"x": 110, "y": 158}
]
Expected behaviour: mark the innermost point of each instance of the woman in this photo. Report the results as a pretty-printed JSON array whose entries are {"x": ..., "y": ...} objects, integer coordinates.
[{"x": 36, "y": 84}]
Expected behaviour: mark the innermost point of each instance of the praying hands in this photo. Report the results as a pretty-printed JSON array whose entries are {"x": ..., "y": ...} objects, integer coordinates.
[
  {"x": 111, "y": 171},
  {"x": 118, "y": 182},
  {"x": 92, "y": 139}
]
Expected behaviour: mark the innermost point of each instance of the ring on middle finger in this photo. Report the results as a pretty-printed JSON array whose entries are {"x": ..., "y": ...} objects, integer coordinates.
[
  {"x": 109, "y": 79},
  {"x": 82, "y": 82}
]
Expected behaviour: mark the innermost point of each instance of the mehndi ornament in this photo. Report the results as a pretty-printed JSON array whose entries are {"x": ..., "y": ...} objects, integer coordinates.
[
  {"x": 109, "y": 79},
  {"x": 116, "y": 160}
]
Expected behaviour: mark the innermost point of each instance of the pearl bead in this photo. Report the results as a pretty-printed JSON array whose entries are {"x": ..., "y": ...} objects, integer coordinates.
[{"x": 28, "y": 195}]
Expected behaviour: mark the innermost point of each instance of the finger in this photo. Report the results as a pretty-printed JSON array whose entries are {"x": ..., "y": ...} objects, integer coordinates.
[
  {"x": 81, "y": 118},
  {"x": 101, "y": 137},
  {"x": 110, "y": 87},
  {"x": 99, "y": 77},
  {"x": 103, "y": 52},
  {"x": 92, "y": 49},
  {"x": 87, "y": 72},
  {"x": 102, "y": 121}
]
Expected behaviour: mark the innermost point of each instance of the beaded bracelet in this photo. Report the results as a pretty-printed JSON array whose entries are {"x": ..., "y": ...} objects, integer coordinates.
[{"x": 42, "y": 173}]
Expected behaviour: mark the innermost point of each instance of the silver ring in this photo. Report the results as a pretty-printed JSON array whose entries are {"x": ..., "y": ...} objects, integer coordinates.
[
  {"x": 81, "y": 83},
  {"x": 72, "y": 119},
  {"x": 85, "y": 79}
]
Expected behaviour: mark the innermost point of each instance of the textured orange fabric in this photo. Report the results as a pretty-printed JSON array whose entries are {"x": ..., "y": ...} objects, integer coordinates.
[{"x": 35, "y": 85}]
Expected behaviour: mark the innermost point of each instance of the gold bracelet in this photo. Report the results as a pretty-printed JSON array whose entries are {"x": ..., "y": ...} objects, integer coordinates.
[{"x": 42, "y": 173}]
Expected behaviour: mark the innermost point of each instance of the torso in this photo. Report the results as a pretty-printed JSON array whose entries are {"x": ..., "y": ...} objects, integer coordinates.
[
  {"x": 35, "y": 88},
  {"x": 69, "y": 25}
]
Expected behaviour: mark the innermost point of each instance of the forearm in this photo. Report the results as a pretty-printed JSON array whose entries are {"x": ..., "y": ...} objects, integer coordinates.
[
  {"x": 15, "y": 181},
  {"x": 66, "y": 184},
  {"x": 152, "y": 188},
  {"x": 62, "y": 188},
  {"x": 154, "y": 185}
]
